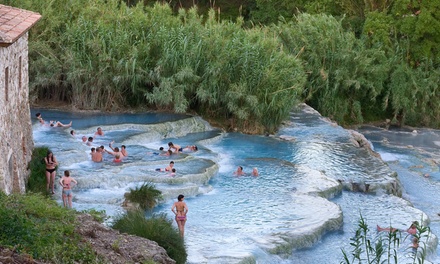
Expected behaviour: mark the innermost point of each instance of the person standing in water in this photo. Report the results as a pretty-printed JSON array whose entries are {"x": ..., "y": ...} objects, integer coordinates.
[
  {"x": 66, "y": 183},
  {"x": 51, "y": 167},
  {"x": 180, "y": 209}
]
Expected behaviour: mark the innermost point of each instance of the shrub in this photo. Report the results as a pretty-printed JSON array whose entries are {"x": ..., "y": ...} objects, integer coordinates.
[
  {"x": 157, "y": 228},
  {"x": 37, "y": 178},
  {"x": 147, "y": 196}
]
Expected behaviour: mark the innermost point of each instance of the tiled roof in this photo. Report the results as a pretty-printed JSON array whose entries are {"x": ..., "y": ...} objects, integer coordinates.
[{"x": 14, "y": 22}]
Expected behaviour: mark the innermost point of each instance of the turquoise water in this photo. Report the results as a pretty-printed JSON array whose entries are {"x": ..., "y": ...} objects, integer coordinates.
[{"x": 295, "y": 207}]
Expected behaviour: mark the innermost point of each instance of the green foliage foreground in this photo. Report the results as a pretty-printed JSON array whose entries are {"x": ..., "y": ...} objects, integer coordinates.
[
  {"x": 157, "y": 228},
  {"x": 384, "y": 247},
  {"x": 36, "y": 225}
]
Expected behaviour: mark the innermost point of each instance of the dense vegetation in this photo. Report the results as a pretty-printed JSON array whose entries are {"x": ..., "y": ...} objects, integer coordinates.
[
  {"x": 353, "y": 61},
  {"x": 34, "y": 224}
]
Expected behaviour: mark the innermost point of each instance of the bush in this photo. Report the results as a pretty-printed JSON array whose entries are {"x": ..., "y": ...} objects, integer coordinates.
[
  {"x": 157, "y": 228},
  {"x": 37, "y": 179},
  {"x": 147, "y": 196}
]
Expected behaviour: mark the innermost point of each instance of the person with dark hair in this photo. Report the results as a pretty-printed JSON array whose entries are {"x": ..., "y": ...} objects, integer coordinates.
[
  {"x": 168, "y": 168},
  {"x": 89, "y": 141},
  {"x": 122, "y": 152},
  {"x": 40, "y": 118},
  {"x": 72, "y": 132},
  {"x": 180, "y": 209},
  {"x": 51, "y": 164},
  {"x": 115, "y": 151},
  {"x": 97, "y": 156},
  {"x": 174, "y": 147},
  {"x": 239, "y": 171},
  {"x": 99, "y": 132},
  {"x": 59, "y": 124},
  {"x": 66, "y": 183}
]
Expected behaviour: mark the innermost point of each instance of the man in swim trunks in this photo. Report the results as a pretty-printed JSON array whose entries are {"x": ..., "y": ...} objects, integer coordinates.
[
  {"x": 97, "y": 155},
  {"x": 180, "y": 209},
  {"x": 174, "y": 147},
  {"x": 66, "y": 183}
]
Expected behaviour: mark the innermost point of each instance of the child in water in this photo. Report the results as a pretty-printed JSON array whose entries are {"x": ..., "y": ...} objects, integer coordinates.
[{"x": 117, "y": 158}]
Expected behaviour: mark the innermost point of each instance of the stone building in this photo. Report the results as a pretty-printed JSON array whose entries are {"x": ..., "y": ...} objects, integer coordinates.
[{"x": 16, "y": 142}]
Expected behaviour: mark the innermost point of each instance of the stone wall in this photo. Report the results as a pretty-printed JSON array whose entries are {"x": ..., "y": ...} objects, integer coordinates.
[{"x": 16, "y": 142}]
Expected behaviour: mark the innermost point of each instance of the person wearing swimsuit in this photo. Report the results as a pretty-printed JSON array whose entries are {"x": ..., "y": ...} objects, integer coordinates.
[
  {"x": 66, "y": 183},
  {"x": 180, "y": 209},
  {"x": 174, "y": 147},
  {"x": 51, "y": 164}
]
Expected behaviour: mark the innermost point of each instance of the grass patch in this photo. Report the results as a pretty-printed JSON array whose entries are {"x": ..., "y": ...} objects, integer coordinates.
[
  {"x": 157, "y": 228},
  {"x": 34, "y": 224}
]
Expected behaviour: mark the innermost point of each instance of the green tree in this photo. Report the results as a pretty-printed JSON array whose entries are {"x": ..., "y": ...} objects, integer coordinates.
[
  {"x": 344, "y": 78},
  {"x": 418, "y": 23}
]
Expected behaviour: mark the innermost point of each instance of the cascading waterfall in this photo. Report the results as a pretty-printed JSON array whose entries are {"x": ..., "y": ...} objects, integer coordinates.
[{"x": 313, "y": 183}]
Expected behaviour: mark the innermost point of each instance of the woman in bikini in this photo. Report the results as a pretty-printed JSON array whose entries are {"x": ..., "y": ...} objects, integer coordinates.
[
  {"x": 51, "y": 164},
  {"x": 180, "y": 209},
  {"x": 66, "y": 183}
]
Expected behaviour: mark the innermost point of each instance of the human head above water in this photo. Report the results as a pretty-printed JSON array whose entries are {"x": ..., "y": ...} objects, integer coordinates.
[
  {"x": 180, "y": 197},
  {"x": 66, "y": 173}
]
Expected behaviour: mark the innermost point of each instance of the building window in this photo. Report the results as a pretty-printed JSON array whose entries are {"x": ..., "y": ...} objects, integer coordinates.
[{"x": 6, "y": 83}]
